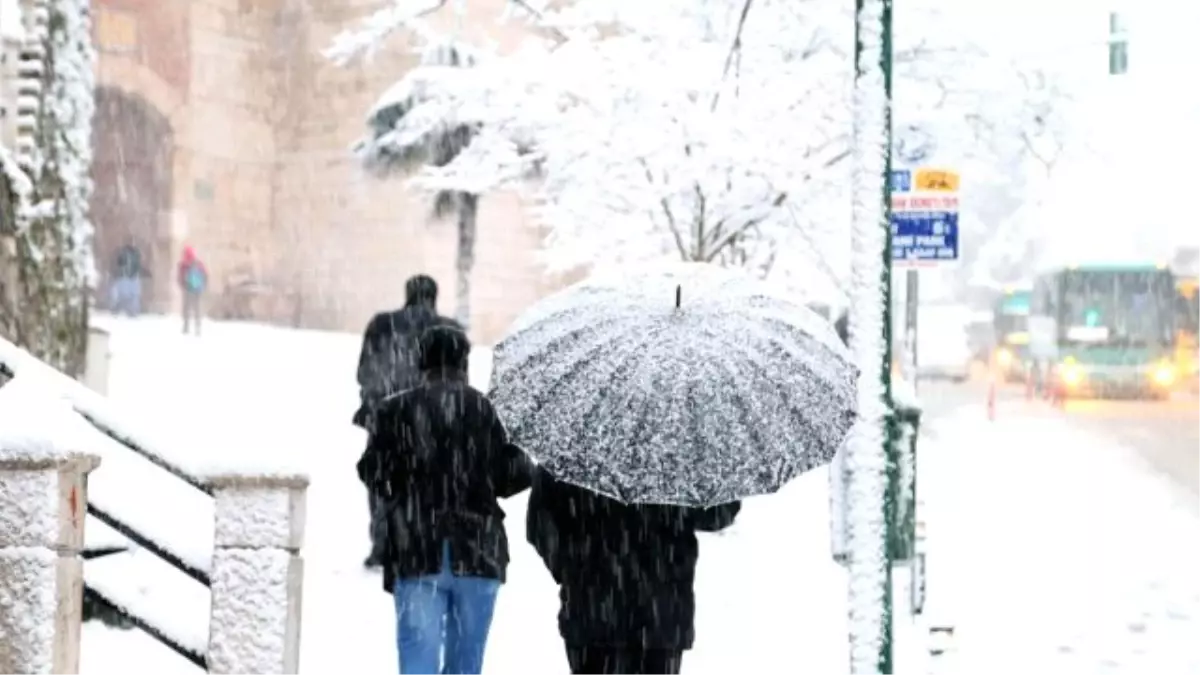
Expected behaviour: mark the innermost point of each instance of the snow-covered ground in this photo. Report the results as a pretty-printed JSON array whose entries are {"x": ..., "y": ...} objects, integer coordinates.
[
  {"x": 1055, "y": 550},
  {"x": 1049, "y": 548},
  {"x": 769, "y": 595}
]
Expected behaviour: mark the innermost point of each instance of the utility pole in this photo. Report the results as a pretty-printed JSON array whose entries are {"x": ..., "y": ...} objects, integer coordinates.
[
  {"x": 872, "y": 466},
  {"x": 911, "y": 298}
]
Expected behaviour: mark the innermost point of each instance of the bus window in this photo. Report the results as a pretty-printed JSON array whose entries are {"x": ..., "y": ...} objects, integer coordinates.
[{"x": 1128, "y": 307}]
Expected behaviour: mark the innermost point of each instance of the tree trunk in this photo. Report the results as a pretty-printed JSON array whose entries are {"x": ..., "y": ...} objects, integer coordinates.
[
  {"x": 468, "y": 213},
  {"x": 49, "y": 241}
]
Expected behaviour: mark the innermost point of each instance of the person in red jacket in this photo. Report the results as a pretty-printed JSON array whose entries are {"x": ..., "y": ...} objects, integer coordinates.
[{"x": 193, "y": 280}]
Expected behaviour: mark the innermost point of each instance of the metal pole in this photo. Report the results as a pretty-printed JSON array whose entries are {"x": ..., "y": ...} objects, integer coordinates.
[
  {"x": 911, "y": 300},
  {"x": 873, "y": 475}
]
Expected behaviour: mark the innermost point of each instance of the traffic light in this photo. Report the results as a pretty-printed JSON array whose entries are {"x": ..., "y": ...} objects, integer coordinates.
[{"x": 1091, "y": 318}]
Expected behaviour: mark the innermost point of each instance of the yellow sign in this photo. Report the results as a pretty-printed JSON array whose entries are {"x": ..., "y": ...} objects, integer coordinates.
[{"x": 935, "y": 180}]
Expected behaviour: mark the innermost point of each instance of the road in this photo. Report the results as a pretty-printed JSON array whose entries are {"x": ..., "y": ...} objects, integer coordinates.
[{"x": 1165, "y": 434}]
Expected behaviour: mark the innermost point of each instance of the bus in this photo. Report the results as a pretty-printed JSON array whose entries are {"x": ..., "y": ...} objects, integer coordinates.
[
  {"x": 1010, "y": 333},
  {"x": 1104, "y": 329},
  {"x": 1187, "y": 322}
]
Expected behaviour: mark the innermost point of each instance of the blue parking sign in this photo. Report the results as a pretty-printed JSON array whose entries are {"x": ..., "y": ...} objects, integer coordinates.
[{"x": 924, "y": 236}]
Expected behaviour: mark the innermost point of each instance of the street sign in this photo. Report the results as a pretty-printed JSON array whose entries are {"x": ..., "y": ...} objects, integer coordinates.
[
  {"x": 925, "y": 207},
  {"x": 936, "y": 180},
  {"x": 900, "y": 181},
  {"x": 924, "y": 237}
]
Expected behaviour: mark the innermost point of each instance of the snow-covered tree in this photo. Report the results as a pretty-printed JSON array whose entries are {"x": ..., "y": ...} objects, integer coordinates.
[
  {"x": 46, "y": 242},
  {"x": 710, "y": 130},
  {"x": 390, "y": 151}
]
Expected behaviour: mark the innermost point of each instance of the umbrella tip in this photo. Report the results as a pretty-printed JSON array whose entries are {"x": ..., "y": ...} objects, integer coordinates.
[{"x": 678, "y": 295}]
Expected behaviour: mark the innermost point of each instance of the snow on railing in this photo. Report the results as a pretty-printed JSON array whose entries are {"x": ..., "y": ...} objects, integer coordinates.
[{"x": 250, "y": 567}]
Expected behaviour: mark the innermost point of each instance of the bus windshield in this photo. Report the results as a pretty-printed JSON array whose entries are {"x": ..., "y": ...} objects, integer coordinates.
[
  {"x": 1011, "y": 323},
  {"x": 1129, "y": 308}
]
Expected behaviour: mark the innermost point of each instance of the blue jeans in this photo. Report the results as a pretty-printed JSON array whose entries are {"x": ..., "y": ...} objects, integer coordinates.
[
  {"x": 125, "y": 295},
  {"x": 443, "y": 612}
]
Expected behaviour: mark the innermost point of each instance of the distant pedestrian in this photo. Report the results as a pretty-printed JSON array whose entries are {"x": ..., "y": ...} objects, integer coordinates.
[
  {"x": 389, "y": 363},
  {"x": 125, "y": 291},
  {"x": 438, "y": 460},
  {"x": 193, "y": 281}
]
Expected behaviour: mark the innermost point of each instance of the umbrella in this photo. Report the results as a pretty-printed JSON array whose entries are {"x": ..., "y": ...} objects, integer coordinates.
[{"x": 691, "y": 385}]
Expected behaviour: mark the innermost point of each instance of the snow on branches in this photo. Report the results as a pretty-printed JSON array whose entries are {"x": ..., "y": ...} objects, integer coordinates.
[{"x": 715, "y": 130}]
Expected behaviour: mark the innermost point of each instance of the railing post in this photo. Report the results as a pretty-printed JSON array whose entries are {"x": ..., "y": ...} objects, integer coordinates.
[
  {"x": 95, "y": 372},
  {"x": 257, "y": 574},
  {"x": 43, "y": 504}
]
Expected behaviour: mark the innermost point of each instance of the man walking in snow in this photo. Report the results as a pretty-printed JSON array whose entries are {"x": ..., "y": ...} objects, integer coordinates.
[
  {"x": 390, "y": 363},
  {"x": 193, "y": 280},
  {"x": 125, "y": 293}
]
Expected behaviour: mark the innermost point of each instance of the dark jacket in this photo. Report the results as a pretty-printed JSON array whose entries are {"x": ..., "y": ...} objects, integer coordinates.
[
  {"x": 625, "y": 572},
  {"x": 128, "y": 264},
  {"x": 438, "y": 459},
  {"x": 388, "y": 362}
]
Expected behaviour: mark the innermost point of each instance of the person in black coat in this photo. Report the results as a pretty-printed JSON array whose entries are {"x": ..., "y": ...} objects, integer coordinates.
[
  {"x": 388, "y": 363},
  {"x": 438, "y": 460},
  {"x": 625, "y": 574}
]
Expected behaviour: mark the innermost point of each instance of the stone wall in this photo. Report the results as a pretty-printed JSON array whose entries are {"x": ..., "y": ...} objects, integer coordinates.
[{"x": 265, "y": 186}]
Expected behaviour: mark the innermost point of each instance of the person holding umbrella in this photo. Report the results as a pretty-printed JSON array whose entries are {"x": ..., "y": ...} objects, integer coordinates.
[
  {"x": 625, "y": 573},
  {"x": 437, "y": 461},
  {"x": 653, "y": 402}
]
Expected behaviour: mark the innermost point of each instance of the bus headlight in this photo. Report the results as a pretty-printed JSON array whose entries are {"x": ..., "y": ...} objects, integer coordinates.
[
  {"x": 1004, "y": 358},
  {"x": 1070, "y": 372},
  {"x": 1164, "y": 374}
]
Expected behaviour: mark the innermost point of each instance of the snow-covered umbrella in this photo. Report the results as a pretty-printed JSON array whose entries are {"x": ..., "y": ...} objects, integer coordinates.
[{"x": 688, "y": 385}]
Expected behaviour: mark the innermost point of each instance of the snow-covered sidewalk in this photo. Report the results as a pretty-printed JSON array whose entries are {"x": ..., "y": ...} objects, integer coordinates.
[
  {"x": 1052, "y": 549},
  {"x": 769, "y": 595}
]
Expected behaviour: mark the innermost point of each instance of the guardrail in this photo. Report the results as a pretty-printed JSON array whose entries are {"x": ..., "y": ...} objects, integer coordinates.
[{"x": 254, "y": 575}]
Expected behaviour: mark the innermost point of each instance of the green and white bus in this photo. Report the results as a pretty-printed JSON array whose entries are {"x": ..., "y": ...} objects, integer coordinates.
[{"x": 1103, "y": 329}]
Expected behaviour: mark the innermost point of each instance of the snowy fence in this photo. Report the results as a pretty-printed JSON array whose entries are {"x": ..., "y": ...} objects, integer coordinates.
[{"x": 254, "y": 573}]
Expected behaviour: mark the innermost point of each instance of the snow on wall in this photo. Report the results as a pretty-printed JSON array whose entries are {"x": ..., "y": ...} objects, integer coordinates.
[
  {"x": 255, "y": 611},
  {"x": 28, "y": 580},
  {"x": 38, "y": 424},
  {"x": 38, "y": 435},
  {"x": 258, "y": 517}
]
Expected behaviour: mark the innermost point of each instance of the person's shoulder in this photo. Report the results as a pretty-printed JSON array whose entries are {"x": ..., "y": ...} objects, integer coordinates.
[
  {"x": 400, "y": 401},
  {"x": 449, "y": 322}
]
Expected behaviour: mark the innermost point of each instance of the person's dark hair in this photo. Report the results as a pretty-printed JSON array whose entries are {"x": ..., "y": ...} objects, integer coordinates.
[
  {"x": 421, "y": 289},
  {"x": 444, "y": 348}
]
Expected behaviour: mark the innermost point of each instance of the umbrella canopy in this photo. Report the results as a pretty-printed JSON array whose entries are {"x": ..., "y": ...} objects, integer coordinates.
[{"x": 690, "y": 385}]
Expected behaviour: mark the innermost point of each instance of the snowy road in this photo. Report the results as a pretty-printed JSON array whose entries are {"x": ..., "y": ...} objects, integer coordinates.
[
  {"x": 1166, "y": 434},
  {"x": 1055, "y": 546}
]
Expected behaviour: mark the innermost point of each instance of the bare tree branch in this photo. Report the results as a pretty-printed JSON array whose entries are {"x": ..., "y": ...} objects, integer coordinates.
[
  {"x": 734, "y": 49},
  {"x": 666, "y": 209}
]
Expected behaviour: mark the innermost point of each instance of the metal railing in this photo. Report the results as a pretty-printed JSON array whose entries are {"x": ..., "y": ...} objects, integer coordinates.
[{"x": 94, "y": 598}]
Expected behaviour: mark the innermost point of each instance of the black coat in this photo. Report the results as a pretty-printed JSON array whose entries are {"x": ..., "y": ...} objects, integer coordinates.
[
  {"x": 389, "y": 360},
  {"x": 438, "y": 459},
  {"x": 626, "y": 572}
]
